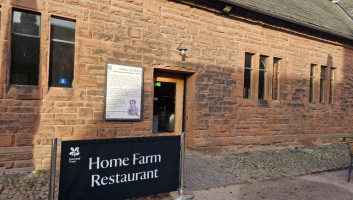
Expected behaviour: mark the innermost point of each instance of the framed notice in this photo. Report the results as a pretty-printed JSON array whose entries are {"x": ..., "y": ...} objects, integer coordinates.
[
  {"x": 119, "y": 168},
  {"x": 123, "y": 92}
]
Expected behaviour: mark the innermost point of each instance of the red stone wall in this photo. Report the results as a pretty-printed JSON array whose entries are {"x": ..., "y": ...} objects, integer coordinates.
[{"x": 146, "y": 33}]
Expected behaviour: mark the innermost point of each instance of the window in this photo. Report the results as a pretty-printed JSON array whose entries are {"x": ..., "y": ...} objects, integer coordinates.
[
  {"x": 312, "y": 84},
  {"x": 322, "y": 84},
  {"x": 25, "y": 45},
  {"x": 275, "y": 78},
  {"x": 62, "y": 53},
  {"x": 247, "y": 75},
  {"x": 332, "y": 84},
  {"x": 262, "y": 77}
]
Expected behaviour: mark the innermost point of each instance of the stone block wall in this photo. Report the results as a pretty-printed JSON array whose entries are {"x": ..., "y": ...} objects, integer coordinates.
[{"x": 146, "y": 33}]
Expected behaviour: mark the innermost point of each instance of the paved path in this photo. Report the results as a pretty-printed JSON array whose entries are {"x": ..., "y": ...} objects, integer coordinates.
[
  {"x": 321, "y": 186},
  {"x": 225, "y": 175},
  {"x": 203, "y": 172}
]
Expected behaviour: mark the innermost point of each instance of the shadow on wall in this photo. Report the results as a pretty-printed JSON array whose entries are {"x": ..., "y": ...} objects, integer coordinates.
[
  {"x": 329, "y": 60},
  {"x": 19, "y": 112},
  {"x": 19, "y": 122}
]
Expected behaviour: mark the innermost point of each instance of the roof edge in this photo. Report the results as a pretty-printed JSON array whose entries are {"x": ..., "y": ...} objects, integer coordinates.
[{"x": 308, "y": 25}]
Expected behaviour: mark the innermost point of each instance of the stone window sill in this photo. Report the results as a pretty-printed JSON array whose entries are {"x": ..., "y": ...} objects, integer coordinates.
[
  {"x": 23, "y": 92},
  {"x": 57, "y": 93}
]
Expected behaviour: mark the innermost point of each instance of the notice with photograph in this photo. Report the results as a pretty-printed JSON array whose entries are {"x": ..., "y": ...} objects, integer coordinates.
[{"x": 123, "y": 94}]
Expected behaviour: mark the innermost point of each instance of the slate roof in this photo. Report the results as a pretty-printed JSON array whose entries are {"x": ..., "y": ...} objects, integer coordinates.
[
  {"x": 347, "y": 6},
  {"x": 322, "y": 15}
]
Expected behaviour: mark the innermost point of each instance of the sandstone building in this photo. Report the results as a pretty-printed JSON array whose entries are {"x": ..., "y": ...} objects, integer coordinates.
[{"x": 256, "y": 74}]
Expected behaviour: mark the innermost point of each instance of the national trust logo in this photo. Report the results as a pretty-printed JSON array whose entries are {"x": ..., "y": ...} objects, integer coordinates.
[{"x": 74, "y": 151}]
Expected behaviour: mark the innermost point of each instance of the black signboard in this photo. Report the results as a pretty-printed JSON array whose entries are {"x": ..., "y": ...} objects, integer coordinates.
[{"x": 119, "y": 168}]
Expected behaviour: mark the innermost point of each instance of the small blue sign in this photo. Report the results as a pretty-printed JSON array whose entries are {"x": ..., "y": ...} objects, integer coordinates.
[{"x": 62, "y": 81}]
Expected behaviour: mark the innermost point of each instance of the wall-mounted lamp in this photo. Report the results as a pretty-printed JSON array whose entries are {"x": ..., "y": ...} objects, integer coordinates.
[
  {"x": 227, "y": 9},
  {"x": 182, "y": 49}
]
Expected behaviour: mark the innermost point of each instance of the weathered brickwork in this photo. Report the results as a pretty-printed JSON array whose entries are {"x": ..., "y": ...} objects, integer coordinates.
[{"x": 146, "y": 33}]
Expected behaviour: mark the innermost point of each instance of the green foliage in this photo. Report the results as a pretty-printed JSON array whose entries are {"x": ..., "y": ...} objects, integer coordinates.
[
  {"x": 24, "y": 180},
  {"x": 41, "y": 171}
]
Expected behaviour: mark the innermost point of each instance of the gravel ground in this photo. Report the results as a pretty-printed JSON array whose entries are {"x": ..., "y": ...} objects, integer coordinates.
[
  {"x": 23, "y": 186},
  {"x": 204, "y": 171}
]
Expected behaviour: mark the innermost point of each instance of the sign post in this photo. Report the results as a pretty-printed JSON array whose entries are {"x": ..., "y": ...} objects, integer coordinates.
[
  {"x": 53, "y": 168},
  {"x": 182, "y": 194}
]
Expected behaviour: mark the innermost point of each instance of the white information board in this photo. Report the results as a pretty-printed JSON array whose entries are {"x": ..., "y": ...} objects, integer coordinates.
[{"x": 123, "y": 94}]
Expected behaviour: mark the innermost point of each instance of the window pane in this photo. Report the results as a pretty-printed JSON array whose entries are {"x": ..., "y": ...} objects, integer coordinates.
[
  {"x": 311, "y": 89},
  {"x": 332, "y": 84},
  {"x": 322, "y": 84},
  {"x": 247, "y": 75},
  {"x": 275, "y": 79},
  {"x": 26, "y": 23},
  {"x": 62, "y": 53},
  {"x": 261, "y": 84},
  {"x": 25, "y": 49},
  {"x": 62, "y": 30},
  {"x": 262, "y": 77},
  {"x": 61, "y": 64},
  {"x": 247, "y": 78},
  {"x": 248, "y": 60}
]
